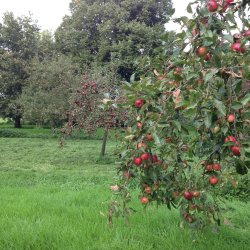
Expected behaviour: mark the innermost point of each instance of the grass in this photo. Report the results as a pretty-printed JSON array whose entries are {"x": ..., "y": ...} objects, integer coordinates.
[{"x": 53, "y": 198}]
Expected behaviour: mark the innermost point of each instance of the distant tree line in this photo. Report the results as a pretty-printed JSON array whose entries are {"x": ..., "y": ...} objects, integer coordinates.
[{"x": 40, "y": 71}]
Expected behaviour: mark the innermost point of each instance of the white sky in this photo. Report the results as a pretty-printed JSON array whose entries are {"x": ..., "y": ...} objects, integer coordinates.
[{"x": 49, "y": 13}]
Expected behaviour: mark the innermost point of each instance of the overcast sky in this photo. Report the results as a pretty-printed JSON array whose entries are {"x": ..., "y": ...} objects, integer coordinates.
[{"x": 49, "y": 13}]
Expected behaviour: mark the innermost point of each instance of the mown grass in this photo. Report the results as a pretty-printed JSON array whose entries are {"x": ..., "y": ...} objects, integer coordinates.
[{"x": 53, "y": 198}]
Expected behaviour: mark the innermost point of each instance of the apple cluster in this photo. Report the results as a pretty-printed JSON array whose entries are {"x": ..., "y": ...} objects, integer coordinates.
[{"x": 188, "y": 126}]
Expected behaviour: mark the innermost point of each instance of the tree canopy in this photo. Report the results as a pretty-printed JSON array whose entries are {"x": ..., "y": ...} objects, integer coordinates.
[
  {"x": 113, "y": 31},
  {"x": 18, "y": 46}
]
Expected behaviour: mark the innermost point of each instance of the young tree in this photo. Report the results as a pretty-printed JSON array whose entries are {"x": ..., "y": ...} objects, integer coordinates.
[
  {"x": 17, "y": 47},
  {"x": 190, "y": 132},
  {"x": 96, "y": 104}
]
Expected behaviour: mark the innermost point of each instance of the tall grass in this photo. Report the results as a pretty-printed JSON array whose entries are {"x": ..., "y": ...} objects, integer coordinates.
[{"x": 53, "y": 198}]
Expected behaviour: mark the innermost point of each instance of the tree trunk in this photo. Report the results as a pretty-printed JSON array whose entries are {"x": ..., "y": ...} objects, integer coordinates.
[
  {"x": 17, "y": 122},
  {"x": 104, "y": 141}
]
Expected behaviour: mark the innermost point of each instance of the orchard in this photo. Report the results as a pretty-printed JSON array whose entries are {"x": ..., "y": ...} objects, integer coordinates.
[{"x": 188, "y": 135}]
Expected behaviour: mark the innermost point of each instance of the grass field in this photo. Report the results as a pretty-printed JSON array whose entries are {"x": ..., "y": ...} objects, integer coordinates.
[{"x": 53, "y": 198}]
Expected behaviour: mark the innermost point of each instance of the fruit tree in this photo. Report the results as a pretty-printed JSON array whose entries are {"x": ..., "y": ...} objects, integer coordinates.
[{"x": 189, "y": 131}]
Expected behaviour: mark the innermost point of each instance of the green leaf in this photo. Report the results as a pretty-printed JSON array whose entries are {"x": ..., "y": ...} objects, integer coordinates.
[
  {"x": 209, "y": 75},
  {"x": 208, "y": 120},
  {"x": 236, "y": 105},
  {"x": 156, "y": 138},
  {"x": 220, "y": 107},
  {"x": 132, "y": 78},
  {"x": 189, "y": 9},
  {"x": 229, "y": 38},
  {"x": 177, "y": 125},
  {"x": 246, "y": 99}
]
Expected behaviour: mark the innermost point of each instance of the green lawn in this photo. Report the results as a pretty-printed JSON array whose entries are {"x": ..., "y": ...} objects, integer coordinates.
[{"x": 53, "y": 198}]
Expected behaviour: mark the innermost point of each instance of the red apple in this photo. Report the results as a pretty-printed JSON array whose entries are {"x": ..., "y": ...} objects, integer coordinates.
[
  {"x": 139, "y": 125},
  {"x": 246, "y": 33},
  {"x": 216, "y": 167},
  {"x": 209, "y": 167},
  {"x": 195, "y": 32},
  {"x": 137, "y": 161},
  {"x": 139, "y": 103},
  {"x": 201, "y": 51},
  {"x": 147, "y": 190},
  {"x": 154, "y": 158},
  {"x": 213, "y": 180},
  {"x": 149, "y": 137},
  {"x": 231, "y": 118},
  {"x": 141, "y": 145},
  {"x": 196, "y": 194},
  {"x": 236, "y": 47},
  {"x": 235, "y": 150},
  {"x": 231, "y": 139},
  {"x": 212, "y": 6},
  {"x": 177, "y": 71},
  {"x": 144, "y": 200},
  {"x": 168, "y": 140},
  {"x": 145, "y": 156},
  {"x": 187, "y": 195},
  {"x": 208, "y": 57},
  {"x": 226, "y": 4}
]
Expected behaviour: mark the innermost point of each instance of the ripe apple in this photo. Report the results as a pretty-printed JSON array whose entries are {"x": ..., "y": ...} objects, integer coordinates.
[
  {"x": 209, "y": 167},
  {"x": 201, "y": 51},
  {"x": 144, "y": 200},
  {"x": 139, "y": 125},
  {"x": 137, "y": 161},
  {"x": 145, "y": 156},
  {"x": 195, "y": 32},
  {"x": 168, "y": 140},
  {"x": 149, "y": 137},
  {"x": 213, "y": 180},
  {"x": 147, "y": 190},
  {"x": 231, "y": 118},
  {"x": 231, "y": 139},
  {"x": 212, "y": 6},
  {"x": 208, "y": 57},
  {"x": 177, "y": 71},
  {"x": 236, "y": 47},
  {"x": 154, "y": 158},
  {"x": 187, "y": 195},
  {"x": 216, "y": 167},
  {"x": 139, "y": 103},
  {"x": 141, "y": 145},
  {"x": 196, "y": 194},
  {"x": 246, "y": 33},
  {"x": 226, "y": 4},
  {"x": 235, "y": 150}
]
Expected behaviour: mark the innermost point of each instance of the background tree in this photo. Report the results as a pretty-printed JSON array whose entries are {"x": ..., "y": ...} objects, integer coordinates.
[
  {"x": 18, "y": 45},
  {"x": 113, "y": 31},
  {"x": 45, "y": 98}
]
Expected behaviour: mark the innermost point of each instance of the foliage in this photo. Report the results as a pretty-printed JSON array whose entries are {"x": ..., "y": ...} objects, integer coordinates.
[
  {"x": 189, "y": 133},
  {"x": 17, "y": 47},
  {"x": 45, "y": 97},
  {"x": 113, "y": 31}
]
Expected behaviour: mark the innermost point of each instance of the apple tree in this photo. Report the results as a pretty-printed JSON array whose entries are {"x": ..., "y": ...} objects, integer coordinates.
[
  {"x": 96, "y": 104},
  {"x": 188, "y": 135}
]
